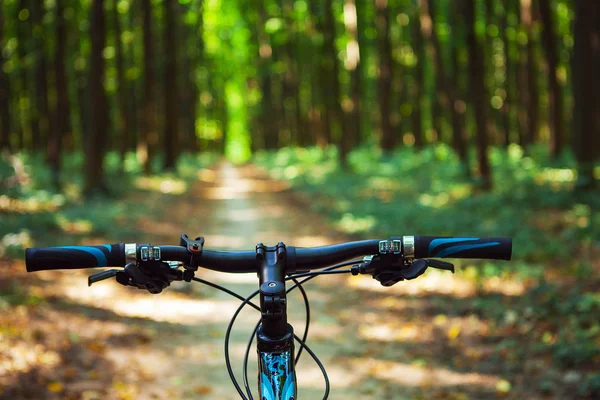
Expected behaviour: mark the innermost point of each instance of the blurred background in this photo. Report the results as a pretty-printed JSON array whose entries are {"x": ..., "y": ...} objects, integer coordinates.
[{"x": 311, "y": 122}]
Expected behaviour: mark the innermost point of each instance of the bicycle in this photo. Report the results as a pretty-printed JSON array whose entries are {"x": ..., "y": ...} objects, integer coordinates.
[{"x": 153, "y": 268}]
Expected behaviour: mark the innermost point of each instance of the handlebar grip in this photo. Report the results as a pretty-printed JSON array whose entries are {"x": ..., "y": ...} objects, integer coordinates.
[
  {"x": 72, "y": 257},
  {"x": 498, "y": 248}
]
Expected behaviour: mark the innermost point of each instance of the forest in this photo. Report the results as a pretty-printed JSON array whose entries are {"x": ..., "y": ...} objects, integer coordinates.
[
  {"x": 161, "y": 78},
  {"x": 310, "y": 122}
]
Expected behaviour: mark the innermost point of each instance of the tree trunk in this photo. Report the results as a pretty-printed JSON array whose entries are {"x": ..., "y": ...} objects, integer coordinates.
[
  {"x": 508, "y": 75},
  {"x": 319, "y": 123},
  {"x": 334, "y": 109},
  {"x": 132, "y": 85},
  {"x": 388, "y": 138},
  {"x": 5, "y": 122},
  {"x": 123, "y": 114},
  {"x": 96, "y": 145},
  {"x": 149, "y": 136},
  {"x": 528, "y": 109},
  {"x": 28, "y": 127},
  {"x": 447, "y": 85},
  {"x": 418, "y": 79},
  {"x": 351, "y": 135},
  {"x": 265, "y": 50},
  {"x": 586, "y": 83},
  {"x": 555, "y": 98},
  {"x": 41, "y": 67},
  {"x": 171, "y": 87},
  {"x": 62, "y": 114},
  {"x": 477, "y": 86}
]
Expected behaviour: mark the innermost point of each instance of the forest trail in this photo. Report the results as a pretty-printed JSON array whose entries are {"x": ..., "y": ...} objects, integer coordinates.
[{"x": 120, "y": 343}]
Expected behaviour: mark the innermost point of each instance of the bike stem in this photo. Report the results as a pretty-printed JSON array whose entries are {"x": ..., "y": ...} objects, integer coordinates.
[{"x": 275, "y": 337}]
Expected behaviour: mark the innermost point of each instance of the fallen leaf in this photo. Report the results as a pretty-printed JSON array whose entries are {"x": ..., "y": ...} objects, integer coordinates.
[
  {"x": 54, "y": 387},
  {"x": 453, "y": 332},
  {"x": 204, "y": 389}
]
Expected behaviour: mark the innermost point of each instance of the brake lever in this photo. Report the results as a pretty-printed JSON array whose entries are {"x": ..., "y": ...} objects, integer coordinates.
[
  {"x": 100, "y": 276},
  {"x": 439, "y": 264}
]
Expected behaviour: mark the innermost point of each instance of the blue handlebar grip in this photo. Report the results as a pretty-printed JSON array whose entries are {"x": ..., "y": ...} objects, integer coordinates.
[
  {"x": 73, "y": 257},
  {"x": 497, "y": 248}
]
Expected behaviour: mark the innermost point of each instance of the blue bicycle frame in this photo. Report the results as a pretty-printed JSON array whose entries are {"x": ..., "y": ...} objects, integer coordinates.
[{"x": 276, "y": 375}]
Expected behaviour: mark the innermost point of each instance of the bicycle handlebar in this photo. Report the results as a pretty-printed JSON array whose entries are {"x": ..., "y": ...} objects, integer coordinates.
[{"x": 115, "y": 255}]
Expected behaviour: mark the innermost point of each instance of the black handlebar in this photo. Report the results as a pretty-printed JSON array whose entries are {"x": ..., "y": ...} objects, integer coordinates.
[{"x": 71, "y": 257}]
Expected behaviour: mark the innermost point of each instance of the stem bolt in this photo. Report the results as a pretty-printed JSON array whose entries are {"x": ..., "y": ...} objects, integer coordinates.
[{"x": 272, "y": 284}]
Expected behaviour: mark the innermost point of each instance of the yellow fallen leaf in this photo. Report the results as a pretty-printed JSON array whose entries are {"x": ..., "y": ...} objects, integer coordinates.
[
  {"x": 453, "y": 332},
  {"x": 54, "y": 387},
  {"x": 503, "y": 386},
  {"x": 204, "y": 389}
]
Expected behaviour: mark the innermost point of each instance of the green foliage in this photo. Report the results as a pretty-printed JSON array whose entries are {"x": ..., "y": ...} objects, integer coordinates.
[
  {"x": 35, "y": 207},
  {"x": 427, "y": 193}
]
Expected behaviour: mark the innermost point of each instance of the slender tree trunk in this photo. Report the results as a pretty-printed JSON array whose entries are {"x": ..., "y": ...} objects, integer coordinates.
[
  {"x": 149, "y": 136},
  {"x": 132, "y": 86},
  {"x": 171, "y": 88},
  {"x": 388, "y": 138},
  {"x": 28, "y": 128},
  {"x": 418, "y": 79},
  {"x": 319, "y": 123},
  {"x": 555, "y": 98},
  {"x": 351, "y": 135},
  {"x": 508, "y": 75},
  {"x": 5, "y": 121},
  {"x": 528, "y": 109},
  {"x": 96, "y": 145},
  {"x": 62, "y": 113},
  {"x": 437, "y": 98},
  {"x": 447, "y": 85},
  {"x": 477, "y": 86},
  {"x": 123, "y": 114},
  {"x": 265, "y": 50},
  {"x": 586, "y": 83},
  {"x": 41, "y": 67},
  {"x": 459, "y": 107},
  {"x": 334, "y": 109}
]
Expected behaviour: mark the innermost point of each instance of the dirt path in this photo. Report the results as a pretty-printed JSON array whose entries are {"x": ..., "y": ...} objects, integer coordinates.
[{"x": 376, "y": 343}]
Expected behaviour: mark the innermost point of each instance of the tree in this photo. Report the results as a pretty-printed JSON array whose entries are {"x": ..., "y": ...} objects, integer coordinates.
[
  {"x": 95, "y": 146},
  {"x": 351, "y": 134},
  {"x": 478, "y": 96},
  {"x": 418, "y": 79},
  {"x": 555, "y": 98},
  {"x": 62, "y": 112},
  {"x": 41, "y": 68},
  {"x": 149, "y": 135},
  {"x": 171, "y": 88},
  {"x": 332, "y": 70},
  {"x": 508, "y": 74},
  {"x": 388, "y": 138},
  {"x": 448, "y": 86},
  {"x": 123, "y": 114},
  {"x": 586, "y": 83},
  {"x": 528, "y": 109},
  {"x": 4, "y": 93}
]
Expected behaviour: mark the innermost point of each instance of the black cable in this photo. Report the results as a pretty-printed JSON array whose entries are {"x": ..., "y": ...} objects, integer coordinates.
[
  {"x": 246, "y": 357},
  {"x": 317, "y": 273},
  {"x": 307, "y": 323},
  {"x": 227, "y": 336}
]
